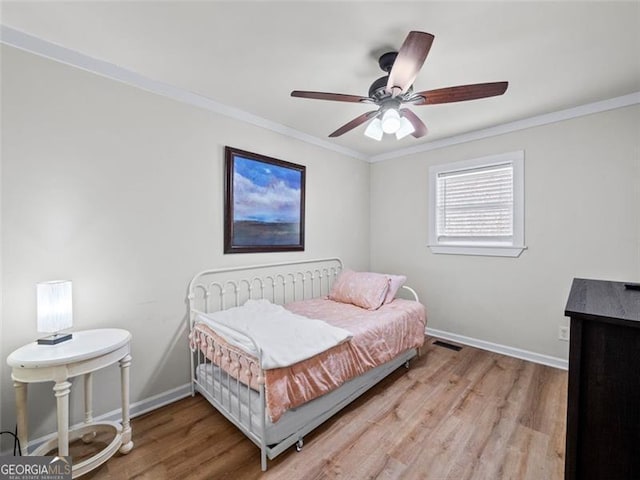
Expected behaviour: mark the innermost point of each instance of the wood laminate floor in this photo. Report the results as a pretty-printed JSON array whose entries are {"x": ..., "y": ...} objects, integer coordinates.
[{"x": 470, "y": 414}]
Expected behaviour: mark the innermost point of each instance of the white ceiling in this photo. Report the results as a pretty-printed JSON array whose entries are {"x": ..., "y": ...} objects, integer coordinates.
[{"x": 250, "y": 55}]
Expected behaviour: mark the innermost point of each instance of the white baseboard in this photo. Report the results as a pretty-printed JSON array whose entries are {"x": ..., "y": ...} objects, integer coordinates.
[
  {"x": 502, "y": 349},
  {"x": 153, "y": 403},
  {"x": 135, "y": 410}
]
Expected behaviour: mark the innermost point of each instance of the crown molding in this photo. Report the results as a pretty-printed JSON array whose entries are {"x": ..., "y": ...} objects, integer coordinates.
[
  {"x": 30, "y": 43},
  {"x": 538, "y": 120},
  {"x": 38, "y": 46}
]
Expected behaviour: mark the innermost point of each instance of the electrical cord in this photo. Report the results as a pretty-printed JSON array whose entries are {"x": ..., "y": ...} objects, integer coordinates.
[{"x": 16, "y": 441}]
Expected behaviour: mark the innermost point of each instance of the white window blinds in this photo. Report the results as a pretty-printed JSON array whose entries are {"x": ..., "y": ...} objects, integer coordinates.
[
  {"x": 475, "y": 203},
  {"x": 476, "y": 206}
]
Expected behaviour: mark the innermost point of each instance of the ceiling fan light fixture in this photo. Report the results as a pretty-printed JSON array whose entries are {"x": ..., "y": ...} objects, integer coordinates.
[
  {"x": 391, "y": 121},
  {"x": 406, "y": 128},
  {"x": 374, "y": 129}
]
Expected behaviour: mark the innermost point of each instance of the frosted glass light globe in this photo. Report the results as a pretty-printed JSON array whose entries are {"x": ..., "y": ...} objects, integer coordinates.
[{"x": 391, "y": 121}]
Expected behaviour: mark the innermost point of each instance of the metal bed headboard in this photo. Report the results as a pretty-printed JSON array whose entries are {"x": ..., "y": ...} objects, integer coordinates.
[{"x": 222, "y": 288}]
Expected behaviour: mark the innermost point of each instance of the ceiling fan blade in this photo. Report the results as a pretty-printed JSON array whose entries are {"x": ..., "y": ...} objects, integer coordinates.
[
  {"x": 418, "y": 125},
  {"x": 336, "y": 97},
  {"x": 462, "y": 93},
  {"x": 354, "y": 123},
  {"x": 409, "y": 61}
]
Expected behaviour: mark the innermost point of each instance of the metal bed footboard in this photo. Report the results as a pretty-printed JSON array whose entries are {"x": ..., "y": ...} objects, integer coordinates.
[
  {"x": 220, "y": 289},
  {"x": 223, "y": 388}
]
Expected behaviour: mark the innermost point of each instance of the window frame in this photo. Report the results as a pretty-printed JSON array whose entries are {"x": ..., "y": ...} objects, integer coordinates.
[{"x": 474, "y": 246}]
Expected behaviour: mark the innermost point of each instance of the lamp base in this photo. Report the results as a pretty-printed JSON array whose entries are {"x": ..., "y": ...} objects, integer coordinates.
[{"x": 54, "y": 339}]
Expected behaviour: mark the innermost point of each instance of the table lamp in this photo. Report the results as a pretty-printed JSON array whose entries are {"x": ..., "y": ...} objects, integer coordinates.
[{"x": 54, "y": 311}]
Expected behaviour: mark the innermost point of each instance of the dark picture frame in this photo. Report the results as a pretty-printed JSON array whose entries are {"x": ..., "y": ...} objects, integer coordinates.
[{"x": 263, "y": 203}]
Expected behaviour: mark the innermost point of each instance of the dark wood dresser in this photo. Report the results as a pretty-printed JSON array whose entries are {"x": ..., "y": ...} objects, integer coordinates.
[{"x": 603, "y": 414}]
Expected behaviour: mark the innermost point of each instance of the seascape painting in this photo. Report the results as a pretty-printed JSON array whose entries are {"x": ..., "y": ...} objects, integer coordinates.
[{"x": 264, "y": 198}]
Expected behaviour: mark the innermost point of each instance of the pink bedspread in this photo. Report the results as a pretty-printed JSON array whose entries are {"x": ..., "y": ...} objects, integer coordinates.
[{"x": 378, "y": 336}]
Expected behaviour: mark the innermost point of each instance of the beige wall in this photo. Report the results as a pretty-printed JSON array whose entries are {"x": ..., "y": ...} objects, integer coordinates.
[
  {"x": 121, "y": 191},
  {"x": 582, "y": 215}
]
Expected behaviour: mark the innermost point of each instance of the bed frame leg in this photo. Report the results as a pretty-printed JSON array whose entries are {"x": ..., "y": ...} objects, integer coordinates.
[{"x": 263, "y": 459}]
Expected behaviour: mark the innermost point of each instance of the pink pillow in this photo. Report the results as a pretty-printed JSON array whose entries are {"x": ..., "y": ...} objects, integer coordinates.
[
  {"x": 364, "y": 289},
  {"x": 395, "y": 282}
]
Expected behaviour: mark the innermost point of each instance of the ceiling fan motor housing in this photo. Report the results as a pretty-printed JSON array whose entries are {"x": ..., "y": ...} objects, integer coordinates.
[{"x": 378, "y": 89}]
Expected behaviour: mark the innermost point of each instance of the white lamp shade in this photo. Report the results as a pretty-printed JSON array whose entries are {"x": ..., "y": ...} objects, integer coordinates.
[
  {"x": 374, "y": 129},
  {"x": 391, "y": 121},
  {"x": 406, "y": 128},
  {"x": 54, "y": 307}
]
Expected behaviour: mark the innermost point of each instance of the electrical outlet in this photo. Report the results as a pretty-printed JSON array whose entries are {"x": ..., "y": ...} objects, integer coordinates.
[{"x": 563, "y": 333}]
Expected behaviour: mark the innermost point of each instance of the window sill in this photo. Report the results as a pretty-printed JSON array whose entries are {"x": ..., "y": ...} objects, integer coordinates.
[{"x": 484, "y": 250}]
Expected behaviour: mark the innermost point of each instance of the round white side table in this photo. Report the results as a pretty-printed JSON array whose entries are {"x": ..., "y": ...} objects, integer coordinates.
[{"x": 86, "y": 352}]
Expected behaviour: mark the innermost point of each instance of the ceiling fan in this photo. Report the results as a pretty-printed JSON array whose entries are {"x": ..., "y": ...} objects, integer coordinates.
[{"x": 391, "y": 92}]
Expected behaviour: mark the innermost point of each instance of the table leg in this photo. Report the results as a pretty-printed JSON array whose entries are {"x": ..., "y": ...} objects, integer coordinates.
[
  {"x": 88, "y": 405},
  {"x": 21, "y": 414},
  {"x": 61, "y": 391},
  {"x": 88, "y": 398},
  {"x": 127, "y": 444}
]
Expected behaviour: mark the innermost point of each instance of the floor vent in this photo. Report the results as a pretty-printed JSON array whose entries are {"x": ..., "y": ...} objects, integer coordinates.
[{"x": 450, "y": 346}]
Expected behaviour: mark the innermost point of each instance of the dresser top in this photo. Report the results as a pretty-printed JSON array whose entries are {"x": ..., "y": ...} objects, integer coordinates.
[{"x": 602, "y": 299}]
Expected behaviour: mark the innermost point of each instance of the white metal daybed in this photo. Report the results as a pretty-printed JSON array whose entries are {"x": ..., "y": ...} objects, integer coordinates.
[{"x": 225, "y": 374}]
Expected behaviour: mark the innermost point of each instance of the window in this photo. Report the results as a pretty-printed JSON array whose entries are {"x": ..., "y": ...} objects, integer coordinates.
[{"x": 476, "y": 207}]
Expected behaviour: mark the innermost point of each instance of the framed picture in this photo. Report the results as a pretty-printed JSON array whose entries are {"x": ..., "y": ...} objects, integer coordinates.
[{"x": 264, "y": 203}]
